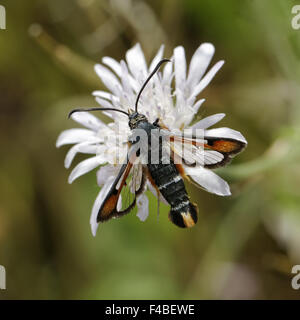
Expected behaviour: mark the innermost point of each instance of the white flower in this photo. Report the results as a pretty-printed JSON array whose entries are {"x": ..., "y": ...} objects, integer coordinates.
[{"x": 176, "y": 108}]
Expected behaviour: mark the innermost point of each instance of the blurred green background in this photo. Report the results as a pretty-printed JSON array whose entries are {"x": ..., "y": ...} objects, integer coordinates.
[{"x": 243, "y": 246}]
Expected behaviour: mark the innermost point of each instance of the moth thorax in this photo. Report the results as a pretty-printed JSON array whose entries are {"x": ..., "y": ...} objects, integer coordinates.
[{"x": 135, "y": 118}]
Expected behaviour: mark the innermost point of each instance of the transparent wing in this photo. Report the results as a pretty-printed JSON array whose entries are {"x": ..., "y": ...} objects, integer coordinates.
[
  {"x": 207, "y": 151},
  {"x": 121, "y": 197},
  {"x": 133, "y": 186}
]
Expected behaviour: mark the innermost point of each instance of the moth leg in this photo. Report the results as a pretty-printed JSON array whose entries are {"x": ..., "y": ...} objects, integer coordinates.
[{"x": 155, "y": 123}]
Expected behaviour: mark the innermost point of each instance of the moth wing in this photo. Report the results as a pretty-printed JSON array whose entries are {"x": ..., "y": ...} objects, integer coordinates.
[
  {"x": 121, "y": 197},
  {"x": 207, "y": 151},
  {"x": 228, "y": 147}
]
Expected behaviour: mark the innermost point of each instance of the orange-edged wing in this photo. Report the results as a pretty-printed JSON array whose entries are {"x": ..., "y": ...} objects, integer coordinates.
[
  {"x": 109, "y": 208},
  {"x": 225, "y": 146},
  {"x": 210, "y": 152}
]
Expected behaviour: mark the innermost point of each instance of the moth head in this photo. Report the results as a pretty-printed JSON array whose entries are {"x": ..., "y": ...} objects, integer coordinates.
[{"x": 135, "y": 118}]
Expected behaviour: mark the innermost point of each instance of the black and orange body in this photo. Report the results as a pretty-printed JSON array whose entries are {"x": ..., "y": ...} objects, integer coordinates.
[
  {"x": 167, "y": 179},
  {"x": 170, "y": 184}
]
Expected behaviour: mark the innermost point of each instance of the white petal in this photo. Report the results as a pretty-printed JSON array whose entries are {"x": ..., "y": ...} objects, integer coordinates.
[
  {"x": 180, "y": 68},
  {"x": 104, "y": 103},
  {"x": 143, "y": 207},
  {"x": 88, "y": 120},
  {"x": 198, "y": 104},
  {"x": 103, "y": 94},
  {"x": 108, "y": 79},
  {"x": 113, "y": 64},
  {"x": 136, "y": 62},
  {"x": 86, "y": 166},
  {"x": 98, "y": 203},
  {"x": 208, "y": 121},
  {"x": 131, "y": 81},
  {"x": 105, "y": 172},
  {"x": 180, "y": 104},
  {"x": 208, "y": 180},
  {"x": 167, "y": 74},
  {"x": 127, "y": 89},
  {"x": 207, "y": 78},
  {"x": 225, "y": 133},
  {"x": 199, "y": 63},
  {"x": 117, "y": 68},
  {"x": 84, "y": 147},
  {"x": 188, "y": 116},
  {"x": 74, "y": 136},
  {"x": 157, "y": 58}
]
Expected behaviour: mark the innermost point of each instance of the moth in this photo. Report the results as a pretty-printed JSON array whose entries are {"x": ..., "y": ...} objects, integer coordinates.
[{"x": 166, "y": 177}]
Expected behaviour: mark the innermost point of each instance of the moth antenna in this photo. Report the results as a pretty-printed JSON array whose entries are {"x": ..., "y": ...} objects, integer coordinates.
[
  {"x": 97, "y": 109},
  {"x": 148, "y": 79}
]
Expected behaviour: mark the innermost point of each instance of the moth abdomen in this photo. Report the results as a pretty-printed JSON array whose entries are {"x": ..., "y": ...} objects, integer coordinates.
[
  {"x": 170, "y": 184},
  {"x": 184, "y": 215}
]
